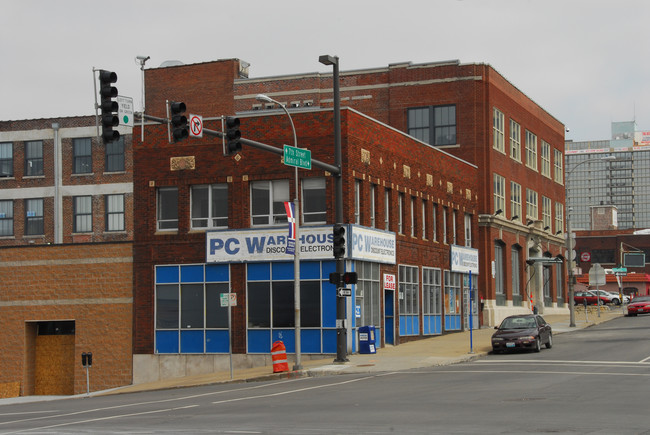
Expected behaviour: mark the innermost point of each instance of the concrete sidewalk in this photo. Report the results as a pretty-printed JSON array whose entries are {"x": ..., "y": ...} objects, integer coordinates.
[{"x": 440, "y": 350}]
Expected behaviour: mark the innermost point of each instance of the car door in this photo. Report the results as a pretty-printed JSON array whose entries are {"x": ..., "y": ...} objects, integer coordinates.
[{"x": 544, "y": 329}]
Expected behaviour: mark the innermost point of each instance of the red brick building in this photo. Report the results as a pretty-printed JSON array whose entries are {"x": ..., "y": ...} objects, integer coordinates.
[
  {"x": 474, "y": 113},
  {"x": 66, "y": 226},
  {"x": 408, "y": 207}
]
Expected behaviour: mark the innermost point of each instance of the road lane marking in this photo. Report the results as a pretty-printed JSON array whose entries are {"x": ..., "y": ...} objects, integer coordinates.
[
  {"x": 530, "y": 372},
  {"x": 90, "y": 420},
  {"x": 642, "y": 363},
  {"x": 299, "y": 390}
]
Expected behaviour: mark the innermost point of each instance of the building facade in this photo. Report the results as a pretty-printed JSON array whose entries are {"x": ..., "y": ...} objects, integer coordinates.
[
  {"x": 213, "y": 224},
  {"x": 66, "y": 231},
  {"x": 622, "y": 182},
  {"x": 474, "y": 113}
]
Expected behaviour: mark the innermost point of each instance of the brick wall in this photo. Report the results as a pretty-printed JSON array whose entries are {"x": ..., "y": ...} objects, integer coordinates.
[{"x": 88, "y": 283}]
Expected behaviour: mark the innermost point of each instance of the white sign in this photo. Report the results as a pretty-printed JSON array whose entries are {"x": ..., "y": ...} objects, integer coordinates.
[
  {"x": 389, "y": 282},
  {"x": 125, "y": 110},
  {"x": 372, "y": 245},
  {"x": 196, "y": 126},
  {"x": 464, "y": 259},
  {"x": 228, "y": 297},
  {"x": 597, "y": 275},
  {"x": 266, "y": 244}
]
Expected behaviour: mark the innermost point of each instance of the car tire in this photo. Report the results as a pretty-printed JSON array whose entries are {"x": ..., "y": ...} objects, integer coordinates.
[
  {"x": 549, "y": 343},
  {"x": 616, "y": 302},
  {"x": 538, "y": 345}
]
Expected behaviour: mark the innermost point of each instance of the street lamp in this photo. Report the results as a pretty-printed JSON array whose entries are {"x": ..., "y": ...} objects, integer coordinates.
[
  {"x": 341, "y": 332},
  {"x": 296, "y": 255},
  {"x": 572, "y": 315}
]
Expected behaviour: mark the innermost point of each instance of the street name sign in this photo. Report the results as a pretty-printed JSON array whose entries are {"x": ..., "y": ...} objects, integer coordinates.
[{"x": 297, "y": 157}]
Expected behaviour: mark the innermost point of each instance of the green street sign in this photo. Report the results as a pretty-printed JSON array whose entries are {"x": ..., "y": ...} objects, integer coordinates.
[{"x": 297, "y": 157}]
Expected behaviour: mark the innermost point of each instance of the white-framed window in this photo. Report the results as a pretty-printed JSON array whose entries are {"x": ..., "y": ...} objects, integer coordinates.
[
  {"x": 515, "y": 201},
  {"x": 400, "y": 217},
  {"x": 6, "y": 218},
  {"x": 357, "y": 202},
  {"x": 499, "y": 286},
  {"x": 558, "y": 165},
  {"x": 546, "y": 159},
  {"x": 82, "y": 214},
  {"x": 532, "y": 208},
  {"x": 387, "y": 209},
  {"x": 267, "y": 202},
  {"x": 546, "y": 212},
  {"x": 468, "y": 230},
  {"x": 368, "y": 293},
  {"x": 531, "y": 150},
  {"x": 515, "y": 141},
  {"x": 82, "y": 156},
  {"x": 431, "y": 291},
  {"x": 434, "y": 222},
  {"x": 444, "y": 224},
  {"x": 409, "y": 290},
  {"x": 209, "y": 206},
  {"x": 34, "y": 158},
  {"x": 413, "y": 216},
  {"x": 115, "y": 212},
  {"x": 373, "y": 206},
  {"x": 6, "y": 159},
  {"x": 425, "y": 206},
  {"x": 498, "y": 130},
  {"x": 167, "y": 213},
  {"x": 499, "y": 188},
  {"x": 559, "y": 217},
  {"x": 515, "y": 253},
  {"x": 314, "y": 200},
  {"x": 34, "y": 225},
  {"x": 454, "y": 233}
]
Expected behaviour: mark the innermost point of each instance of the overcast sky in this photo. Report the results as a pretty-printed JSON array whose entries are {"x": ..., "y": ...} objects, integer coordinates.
[{"x": 584, "y": 61}]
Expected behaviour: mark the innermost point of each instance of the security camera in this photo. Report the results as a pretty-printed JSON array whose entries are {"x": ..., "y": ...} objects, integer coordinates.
[
  {"x": 143, "y": 58},
  {"x": 567, "y": 129}
]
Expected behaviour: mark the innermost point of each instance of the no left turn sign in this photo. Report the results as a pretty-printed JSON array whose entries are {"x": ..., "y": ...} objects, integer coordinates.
[{"x": 196, "y": 126}]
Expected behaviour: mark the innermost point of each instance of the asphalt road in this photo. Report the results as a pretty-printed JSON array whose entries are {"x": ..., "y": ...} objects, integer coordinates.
[{"x": 593, "y": 381}]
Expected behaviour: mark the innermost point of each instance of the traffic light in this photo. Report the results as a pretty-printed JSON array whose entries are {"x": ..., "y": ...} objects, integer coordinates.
[
  {"x": 180, "y": 129},
  {"x": 349, "y": 278},
  {"x": 339, "y": 241},
  {"x": 233, "y": 135},
  {"x": 108, "y": 106}
]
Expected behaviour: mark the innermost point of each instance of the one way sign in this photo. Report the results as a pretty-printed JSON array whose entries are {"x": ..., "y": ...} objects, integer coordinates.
[{"x": 342, "y": 292}]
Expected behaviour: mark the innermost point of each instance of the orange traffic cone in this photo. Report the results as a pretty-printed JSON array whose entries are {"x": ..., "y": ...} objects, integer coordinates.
[{"x": 279, "y": 356}]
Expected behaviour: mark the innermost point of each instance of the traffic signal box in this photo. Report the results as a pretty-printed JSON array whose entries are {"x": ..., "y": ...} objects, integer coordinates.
[
  {"x": 180, "y": 128},
  {"x": 108, "y": 106},
  {"x": 343, "y": 279},
  {"x": 339, "y": 241},
  {"x": 233, "y": 136}
]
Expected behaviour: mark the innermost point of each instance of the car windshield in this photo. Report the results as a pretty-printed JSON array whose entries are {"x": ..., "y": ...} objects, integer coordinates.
[
  {"x": 642, "y": 299},
  {"x": 518, "y": 323}
]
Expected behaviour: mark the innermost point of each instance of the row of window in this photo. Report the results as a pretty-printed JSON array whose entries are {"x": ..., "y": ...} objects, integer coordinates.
[
  {"x": 555, "y": 172},
  {"x": 209, "y": 209},
  {"x": 550, "y": 221},
  {"x": 422, "y": 220},
  {"x": 82, "y": 215},
  {"x": 82, "y": 159}
]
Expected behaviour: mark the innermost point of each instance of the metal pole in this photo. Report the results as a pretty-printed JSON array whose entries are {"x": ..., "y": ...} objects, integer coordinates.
[
  {"x": 341, "y": 331},
  {"x": 572, "y": 322}
]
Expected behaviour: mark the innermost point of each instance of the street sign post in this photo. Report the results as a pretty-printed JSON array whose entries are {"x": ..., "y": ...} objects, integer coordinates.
[{"x": 298, "y": 157}]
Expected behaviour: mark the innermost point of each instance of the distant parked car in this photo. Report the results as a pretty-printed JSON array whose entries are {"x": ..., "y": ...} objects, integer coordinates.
[
  {"x": 524, "y": 331},
  {"x": 592, "y": 298},
  {"x": 639, "y": 305},
  {"x": 616, "y": 300}
]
